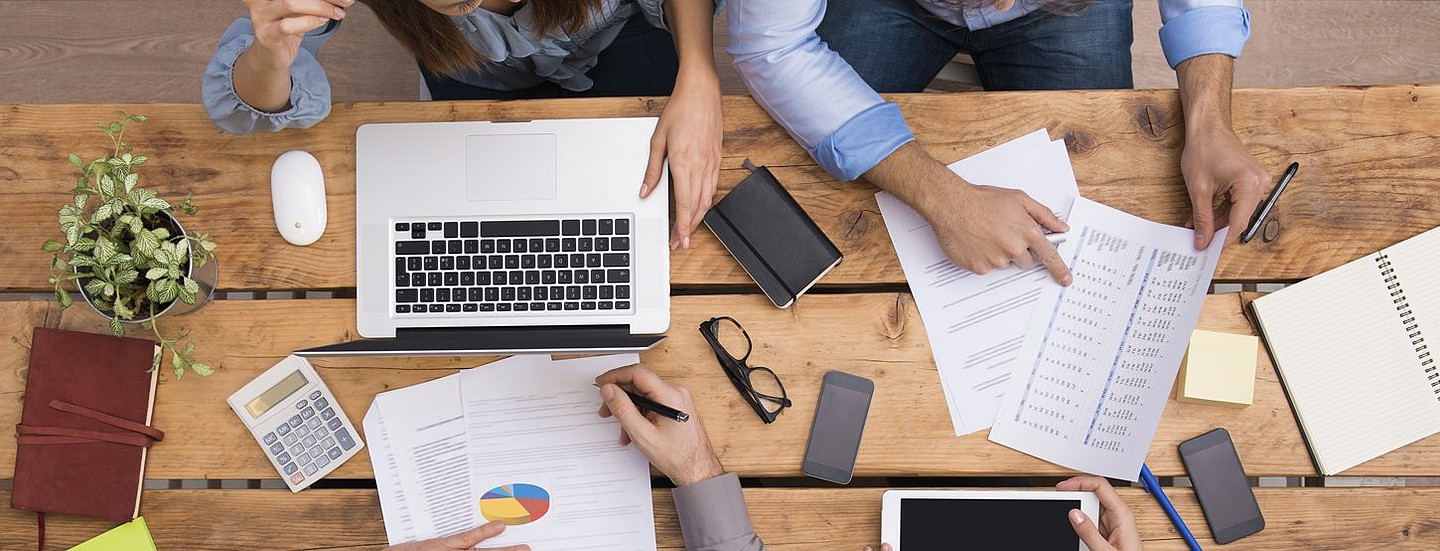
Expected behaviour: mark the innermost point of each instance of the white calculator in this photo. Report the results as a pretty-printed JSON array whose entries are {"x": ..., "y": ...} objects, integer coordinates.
[{"x": 297, "y": 421}]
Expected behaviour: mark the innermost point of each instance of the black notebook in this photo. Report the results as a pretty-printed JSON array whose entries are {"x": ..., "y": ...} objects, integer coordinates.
[{"x": 773, "y": 239}]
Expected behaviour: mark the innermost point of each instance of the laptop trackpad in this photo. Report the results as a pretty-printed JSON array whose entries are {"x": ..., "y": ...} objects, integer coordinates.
[{"x": 510, "y": 167}]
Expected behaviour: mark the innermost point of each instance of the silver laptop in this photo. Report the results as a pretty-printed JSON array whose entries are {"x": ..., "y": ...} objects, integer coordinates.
[{"x": 505, "y": 237}]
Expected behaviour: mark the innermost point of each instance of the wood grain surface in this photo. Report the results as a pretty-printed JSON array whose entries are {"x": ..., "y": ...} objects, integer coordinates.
[
  {"x": 908, "y": 432},
  {"x": 786, "y": 518},
  {"x": 1368, "y": 158}
]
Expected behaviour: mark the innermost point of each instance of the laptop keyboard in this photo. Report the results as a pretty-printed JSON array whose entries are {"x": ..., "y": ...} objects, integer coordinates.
[{"x": 465, "y": 267}]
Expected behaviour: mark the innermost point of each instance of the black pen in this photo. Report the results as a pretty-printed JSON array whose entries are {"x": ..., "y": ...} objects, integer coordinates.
[
  {"x": 1264, "y": 209},
  {"x": 657, "y": 407}
]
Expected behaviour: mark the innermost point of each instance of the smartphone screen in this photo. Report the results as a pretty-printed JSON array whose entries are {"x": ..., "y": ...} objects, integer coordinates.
[
  {"x": 1221, "y": 486},
  {"x": 838, "y": 426}
]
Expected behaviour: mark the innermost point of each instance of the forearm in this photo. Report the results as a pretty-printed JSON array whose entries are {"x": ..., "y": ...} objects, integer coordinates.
[
  {"x": 914, "y": 177},
  {"x": 692, "y": 23},
  {"x": 1205, "y": 83},
  {"x": 260, "y": 82}
]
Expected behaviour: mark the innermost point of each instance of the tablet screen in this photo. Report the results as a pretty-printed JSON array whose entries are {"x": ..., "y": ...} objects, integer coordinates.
[{"x": 947, "y": 524}]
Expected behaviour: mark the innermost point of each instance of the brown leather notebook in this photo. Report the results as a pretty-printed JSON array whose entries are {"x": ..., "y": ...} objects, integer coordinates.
[{"x": 84, "y": 430}]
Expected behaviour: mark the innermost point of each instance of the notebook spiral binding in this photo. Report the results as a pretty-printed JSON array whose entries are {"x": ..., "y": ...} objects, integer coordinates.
[{"x": 1407, "y": 318}]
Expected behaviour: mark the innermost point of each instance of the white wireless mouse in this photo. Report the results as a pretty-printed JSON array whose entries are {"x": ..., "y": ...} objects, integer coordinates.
[{"x": 297, "y": 193}]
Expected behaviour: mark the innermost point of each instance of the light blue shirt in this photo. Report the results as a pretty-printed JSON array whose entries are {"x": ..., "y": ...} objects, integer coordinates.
[{"x": 845, "y": 125}]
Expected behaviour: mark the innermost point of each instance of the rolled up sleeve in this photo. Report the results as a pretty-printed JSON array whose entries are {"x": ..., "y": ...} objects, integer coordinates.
[
  {"x": 1198, "y": 27},
  {"x": 809, "y": 89},
  {"x": 713, "y": 516},
  {"x": 309, "y": 90}
]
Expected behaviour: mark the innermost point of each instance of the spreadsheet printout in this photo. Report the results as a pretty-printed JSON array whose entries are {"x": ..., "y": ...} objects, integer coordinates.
[{"x": 1096, "y": 372}]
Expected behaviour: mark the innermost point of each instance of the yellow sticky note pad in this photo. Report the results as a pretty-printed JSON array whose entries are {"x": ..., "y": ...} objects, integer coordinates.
[
  {"x": 131, "y": 536},
  {"x": 1219, "y": 368}
]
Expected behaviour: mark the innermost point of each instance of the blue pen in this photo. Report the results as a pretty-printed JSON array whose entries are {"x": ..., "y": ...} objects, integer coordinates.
[{"x": 1153, "y": 486}]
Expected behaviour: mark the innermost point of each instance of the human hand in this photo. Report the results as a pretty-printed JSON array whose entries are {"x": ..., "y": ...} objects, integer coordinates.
[
  {"x": 680, "y": 450},
  {"x": 280, "y": 25},
  {"x": 462, "y": 540},
  {"x": 689, "y": 135},
  {"x": 1117, "y": 531},
  {"x": 983, "y": 228},
  {"x": 1217, "y": 166},
  {"x": 883, "y": 547}
]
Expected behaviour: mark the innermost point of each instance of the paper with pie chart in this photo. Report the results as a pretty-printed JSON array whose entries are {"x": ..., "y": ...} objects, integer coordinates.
[{"x": 515, "y": 504}]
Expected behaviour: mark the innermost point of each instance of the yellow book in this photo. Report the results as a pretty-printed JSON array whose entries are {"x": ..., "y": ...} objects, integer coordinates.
[
  {"x": 1219, "y": 368},
  {"x": 131, "y": 536}
]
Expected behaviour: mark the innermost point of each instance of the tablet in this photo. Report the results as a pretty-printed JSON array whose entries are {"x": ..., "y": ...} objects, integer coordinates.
[{"x": 922, "y": 520}]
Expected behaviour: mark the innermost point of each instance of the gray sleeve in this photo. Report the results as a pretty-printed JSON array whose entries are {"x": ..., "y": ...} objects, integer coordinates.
[
  {"x": 713, "y": 516},
  {"x": 309, "y": 92}
]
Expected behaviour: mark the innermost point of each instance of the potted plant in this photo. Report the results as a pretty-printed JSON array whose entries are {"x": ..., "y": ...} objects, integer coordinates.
[{"x": 127, "y": 253}]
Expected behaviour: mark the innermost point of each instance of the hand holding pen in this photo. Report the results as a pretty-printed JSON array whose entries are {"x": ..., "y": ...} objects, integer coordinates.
[{"x": 681, "y": 450}]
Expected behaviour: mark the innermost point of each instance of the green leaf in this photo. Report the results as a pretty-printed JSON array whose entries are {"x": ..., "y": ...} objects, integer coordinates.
[
  {"x": 164, "y": 257},
  {"x": 189, "y": 285},
  {"x": 139, "y": 118},
  {"x": 109, "y": 290},
  {"x": 83, "y": 260},
  {"x": 81, "y": 199},
  {"x": 107, "y": 185},
  {"x": 182, "y": 248},
  {"x": 139, "y": 160},
  {"x": 208, "y": 245},
  {"x": 116, "y": 327},
  {"x": 162, "y": 291},
  {"x": 104, "y": 250},
  {"x": 102, "y": 213},
  {"x": 161, "y": 233},
  {"x": 126, "y": 275},
  {"x": 155, "y": 273},
  {"x": 203, "y": 369},
  {"x": 52, "y": 246},
  {"x": 123, "y": 312},
  {"x": 83, "y": 244},
  {"x": 75, "y": 161},
  {"x": 189, "y": 348},
  {"x": 135, "y": 225},
  {"x": 131, "y": 179},
  {"x": 63, "y": 297},
  {"x": 95, "y": 287},
  {"x": 145, "y": 243},
  {"x": 155, "y": 203},
  {"x": 186, "y": 295},
  {"x": 72, "y": 233},
  {"x": 179, "y": 372}
]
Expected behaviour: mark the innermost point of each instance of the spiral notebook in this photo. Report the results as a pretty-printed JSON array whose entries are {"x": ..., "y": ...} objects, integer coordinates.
[{"x": 1351, "y": 349}]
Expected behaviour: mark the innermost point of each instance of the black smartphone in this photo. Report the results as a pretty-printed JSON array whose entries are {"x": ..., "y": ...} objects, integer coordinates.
[
  {"x": 839, "y": 423},
  {"x": 1221, "y": 486}
]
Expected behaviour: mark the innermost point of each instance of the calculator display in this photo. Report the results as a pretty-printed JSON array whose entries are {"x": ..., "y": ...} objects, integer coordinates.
[{"x": 275, "y": 394}]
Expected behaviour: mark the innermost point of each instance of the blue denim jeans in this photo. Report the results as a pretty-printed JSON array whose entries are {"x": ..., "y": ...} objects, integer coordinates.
[{"x": 899, "y": 46}]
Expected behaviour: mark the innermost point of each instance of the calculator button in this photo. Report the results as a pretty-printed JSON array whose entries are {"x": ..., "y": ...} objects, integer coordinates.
[
  {"x": 307, "y": 441},
  {"x": 283, "y": 429},
  {"x": 343, "y": 436},
  {"x": 297, "y": 478},
  {"x": 334, "y": 423},
  {"x": 291, "y": 439},
  {"x": 296, "y": 449},
  {"x": 270, "y": 438},
  {"x": 327, "y": 443},
  {"x": 315, "y": 395},
  {"x": 320, "y": 432},
  {"x": 290, "y": 468},
  {"x": 316, "y": 453},
  {"x": 295, "y": 421},
  {"x": 322, "y": 403},
  {"x": 302, "y": 458},
  {"x": 301, "y": 404},
  {"x": 283, "y": 458},
  {"x": 327, "y": 414},
  {"x": 307, "y": 412},
  {"x": 313, "y": 422},
  {"x": 303, "y": 431},
  {"x": 311, "y": 468},
  {"x": 334, "y": 453},
  {"x": 321, "y": 461},
  {"x": 277, "y": 447}
]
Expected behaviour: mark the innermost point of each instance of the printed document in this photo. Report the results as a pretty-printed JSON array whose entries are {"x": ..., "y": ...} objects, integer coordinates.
[
  {"x": 977, "y": 323},
  {"x": 517, "y": 439},
  {"x": 1098, "y": 367}
]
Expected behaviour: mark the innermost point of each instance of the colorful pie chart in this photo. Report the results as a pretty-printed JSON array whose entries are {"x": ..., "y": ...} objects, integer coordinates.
[{"x": 515, "y": 504}]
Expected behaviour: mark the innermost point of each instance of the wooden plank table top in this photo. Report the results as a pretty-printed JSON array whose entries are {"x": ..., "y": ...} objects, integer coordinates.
[
  {"x": 908, "y": 432},
  {"x": 786, "y": 518},
  {"x": 1368, "y": 157}
]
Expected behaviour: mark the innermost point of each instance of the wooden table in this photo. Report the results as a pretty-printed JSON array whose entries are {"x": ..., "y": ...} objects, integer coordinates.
[{"x": 1368, "y": 158}]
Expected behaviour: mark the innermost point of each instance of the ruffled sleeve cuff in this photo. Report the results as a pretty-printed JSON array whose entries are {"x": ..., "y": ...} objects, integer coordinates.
[
  {"x": 1205, "y": 30},
  {"x": 863, "y": 141},
  {"x": 309, "y": 90}
]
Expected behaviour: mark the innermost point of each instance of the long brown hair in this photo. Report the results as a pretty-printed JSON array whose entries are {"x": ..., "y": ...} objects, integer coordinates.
[{"x": 435, "y": 40}]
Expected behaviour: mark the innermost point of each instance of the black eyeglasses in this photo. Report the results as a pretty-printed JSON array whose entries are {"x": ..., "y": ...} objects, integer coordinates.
[{"x": 759, "y": 385}]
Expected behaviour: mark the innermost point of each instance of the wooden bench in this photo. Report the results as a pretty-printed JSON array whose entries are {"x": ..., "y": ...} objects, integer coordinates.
[{"x": 1363, "y": 152}]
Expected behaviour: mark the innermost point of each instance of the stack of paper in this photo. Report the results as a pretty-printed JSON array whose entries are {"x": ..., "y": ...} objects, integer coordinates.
[
  {"x": 1078, "y": 375},
  {"x": 516, "y": 440}
]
